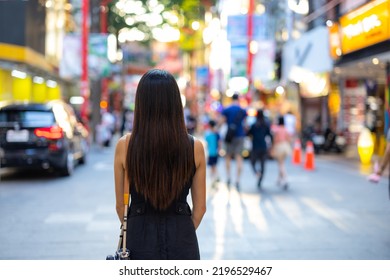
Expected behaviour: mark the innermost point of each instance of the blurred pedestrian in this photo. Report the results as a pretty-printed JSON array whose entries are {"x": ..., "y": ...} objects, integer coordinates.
[
  {"x": 259, "y": 131},
  {"x": 127, "y": 121},
  {"x": 290, "y": 122},
  {"x": 379, "y": 168},
  {"x": 105, "y": 129},
  {"x": 281, "y": 148},
  {"x": 234, "y": 117},
  {"x": 191, "y": 124},
  {"x": 163, "y": 164},
  {"x": 213, "y": 145}
]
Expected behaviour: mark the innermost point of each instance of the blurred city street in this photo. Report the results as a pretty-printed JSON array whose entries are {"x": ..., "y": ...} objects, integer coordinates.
[
  {"x": 332, "y": 212},
  {"x": 313, "y": 70}
]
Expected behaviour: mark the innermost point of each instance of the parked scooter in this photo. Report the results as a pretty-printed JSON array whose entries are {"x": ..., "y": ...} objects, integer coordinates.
[
  {"x": 329, "y": 141},
  {"x": 334, "y": 142},
  {"x": 317, "y": 138}
]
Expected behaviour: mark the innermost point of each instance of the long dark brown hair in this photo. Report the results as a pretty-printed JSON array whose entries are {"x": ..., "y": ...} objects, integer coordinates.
[{"x": 160, "y": 158}]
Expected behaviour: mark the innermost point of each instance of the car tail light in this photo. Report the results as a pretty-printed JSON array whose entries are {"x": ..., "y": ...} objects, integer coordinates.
[
  {"x": 51, "y": 133},
  {"x": 54, "y": 146}
]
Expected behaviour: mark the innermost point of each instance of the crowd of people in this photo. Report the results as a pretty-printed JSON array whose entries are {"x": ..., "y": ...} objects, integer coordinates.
[{"x": 269, "y": 140}]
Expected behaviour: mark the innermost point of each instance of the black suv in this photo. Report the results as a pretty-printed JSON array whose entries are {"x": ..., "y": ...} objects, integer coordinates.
[{"x": 41, "y": 136}]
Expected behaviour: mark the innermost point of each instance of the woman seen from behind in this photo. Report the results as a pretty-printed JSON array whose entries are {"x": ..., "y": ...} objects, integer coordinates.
[{"x": 163, "y": 164}]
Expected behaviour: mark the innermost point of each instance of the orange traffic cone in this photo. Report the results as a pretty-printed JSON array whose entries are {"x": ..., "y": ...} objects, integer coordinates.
[
  {"x": 296, "y": 158},
  {"x": 309, "y": 160}
]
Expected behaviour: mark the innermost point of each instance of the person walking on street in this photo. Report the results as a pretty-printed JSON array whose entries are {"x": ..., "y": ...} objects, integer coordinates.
[
  {"x": 213, "y": 145},
  {"x": 162, "y": 164},
  {"x": 234, "y": 117},
  {"x": 290, "y": 122},
  {"x": 281, "y": 148},
  {"x": 379, "y": 168},
  {"x": 259, "y": 131}
]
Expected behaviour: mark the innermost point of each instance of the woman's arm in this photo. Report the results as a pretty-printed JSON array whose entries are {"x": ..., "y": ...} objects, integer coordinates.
[
  {"x": 119, "y": 171},
  {"x": 198, "y": 189}
]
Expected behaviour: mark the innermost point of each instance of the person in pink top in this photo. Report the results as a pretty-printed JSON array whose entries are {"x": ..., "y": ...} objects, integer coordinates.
[{"x": 281, "y": 149}]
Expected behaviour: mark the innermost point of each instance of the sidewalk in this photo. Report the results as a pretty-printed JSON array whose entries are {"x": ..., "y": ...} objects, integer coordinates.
[
  {"x": 352, "y": 163},
  {"x": 323, "y": 215}
]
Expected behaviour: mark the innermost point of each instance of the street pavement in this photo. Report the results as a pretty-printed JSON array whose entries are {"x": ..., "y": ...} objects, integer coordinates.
[{"x": 331, "y": 212}]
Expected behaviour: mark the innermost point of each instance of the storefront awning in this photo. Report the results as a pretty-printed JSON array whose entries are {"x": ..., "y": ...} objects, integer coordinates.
[{"x": 24, "y": 55}]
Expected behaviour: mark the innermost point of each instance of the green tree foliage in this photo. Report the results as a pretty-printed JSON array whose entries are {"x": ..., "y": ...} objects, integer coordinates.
[{"x": 186, "y": 10}]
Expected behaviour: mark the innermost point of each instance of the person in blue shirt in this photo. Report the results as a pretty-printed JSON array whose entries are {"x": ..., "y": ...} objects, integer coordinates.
[
  {"x": 235, "y": 115},
  {"x": 213, "y": 144},
  {"x": 259, "y": 131}
]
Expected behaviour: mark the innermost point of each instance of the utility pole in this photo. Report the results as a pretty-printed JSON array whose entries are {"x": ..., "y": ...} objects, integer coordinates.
[
  {"x": 85, "y": 92},
  {"x": 103, "y": 30},
  {"x": 251, "y": 9}
]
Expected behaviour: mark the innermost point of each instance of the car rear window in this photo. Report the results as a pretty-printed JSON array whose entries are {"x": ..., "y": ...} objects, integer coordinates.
[{"x": 27, "y": 118}]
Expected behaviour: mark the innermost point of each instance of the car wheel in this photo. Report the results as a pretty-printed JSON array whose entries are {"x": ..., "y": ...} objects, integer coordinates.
[{"x": 68, "y": 167}]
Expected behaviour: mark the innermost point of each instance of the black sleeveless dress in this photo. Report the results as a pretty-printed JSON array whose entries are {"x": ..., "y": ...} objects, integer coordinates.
[{"x": 161, "y": 235}]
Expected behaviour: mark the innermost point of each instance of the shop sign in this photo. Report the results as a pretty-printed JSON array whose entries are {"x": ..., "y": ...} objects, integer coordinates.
[
  {"x": 98, "y": 63},
  {"x": 237, "y": 27},
  {"x": 202, "y": 76},
  {"x": 365, "y": 26},
  {"x": 264, "y": 61},
  {"x": 239, "y": 56},
  {"x": 309, "y": 53}
]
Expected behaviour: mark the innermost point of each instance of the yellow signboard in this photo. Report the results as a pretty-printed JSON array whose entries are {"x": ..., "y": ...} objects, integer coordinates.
[{"x": 365, "y": 26}]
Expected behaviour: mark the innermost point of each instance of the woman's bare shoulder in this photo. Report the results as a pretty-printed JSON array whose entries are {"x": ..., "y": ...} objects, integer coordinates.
[
  {"x": 198, "y": 151},
  {"x": 121, "y": 144},
  {"x": 197, "y": 143}
]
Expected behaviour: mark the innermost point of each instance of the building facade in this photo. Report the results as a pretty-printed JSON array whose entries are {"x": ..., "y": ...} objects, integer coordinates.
[{"x": 30, "y": 49}]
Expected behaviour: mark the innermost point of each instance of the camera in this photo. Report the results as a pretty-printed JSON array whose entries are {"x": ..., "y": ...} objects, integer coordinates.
[{"x": 120, "y": 255}]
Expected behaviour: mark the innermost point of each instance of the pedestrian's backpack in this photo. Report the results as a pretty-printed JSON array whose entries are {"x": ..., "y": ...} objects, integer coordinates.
[
  {"x": 232, "y": 128},
  {"x": 230, "y": 133}
]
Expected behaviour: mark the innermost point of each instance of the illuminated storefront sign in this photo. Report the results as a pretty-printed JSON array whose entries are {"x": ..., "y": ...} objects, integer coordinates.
[{"x": 365, "y": 26}]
